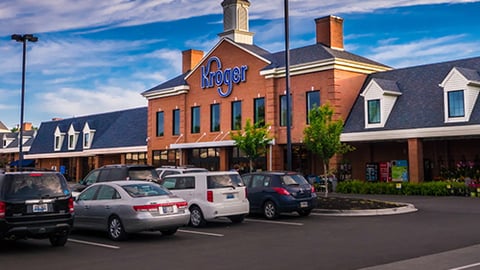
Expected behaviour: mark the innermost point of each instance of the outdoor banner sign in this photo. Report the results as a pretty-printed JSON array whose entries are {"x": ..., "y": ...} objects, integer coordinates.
[{"x": 400, "y": 170}]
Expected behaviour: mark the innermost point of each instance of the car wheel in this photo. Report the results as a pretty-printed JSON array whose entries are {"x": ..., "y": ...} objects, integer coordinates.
[
  {"x": 270, "y": 210},
  {"x": 304, "y": 212},
  {"x": 237, "y": 218},
  {"x": 115, "y": 230},
  {"x": 58, "y": 240},
  {"x": 169, "y": 232},
  {"x": 196, "y": 217}
]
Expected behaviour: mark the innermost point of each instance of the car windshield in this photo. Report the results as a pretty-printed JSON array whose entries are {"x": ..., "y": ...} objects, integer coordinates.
[
  {"x": 225, "y": 180},
  {"x": 145, "y": 190},
  {"x": 293, "y": 179},
  {"x": 142, "y": 174},
  {"x": 34, "y": 186}
]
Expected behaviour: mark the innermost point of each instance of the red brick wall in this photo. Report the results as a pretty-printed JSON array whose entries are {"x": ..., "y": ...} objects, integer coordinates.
[{"x": 340, "y": 88}]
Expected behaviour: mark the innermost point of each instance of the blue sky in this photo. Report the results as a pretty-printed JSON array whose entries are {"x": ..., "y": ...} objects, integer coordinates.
[{"x": 98, "y": 56}]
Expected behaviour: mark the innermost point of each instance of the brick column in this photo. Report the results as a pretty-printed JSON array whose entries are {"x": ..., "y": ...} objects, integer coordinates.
[{"x": 415, "y": 160}]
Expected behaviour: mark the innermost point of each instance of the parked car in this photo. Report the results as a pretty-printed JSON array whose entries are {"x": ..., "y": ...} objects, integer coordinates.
[
  {"x": 123, "y": 207},
  {"x": 272, "y": 193},
  {"x": 35, "y": 204},
  {"x": 211, "y": 195},
  {"x": 117, "y": 172},
  {"x": 168, "y": 170}
]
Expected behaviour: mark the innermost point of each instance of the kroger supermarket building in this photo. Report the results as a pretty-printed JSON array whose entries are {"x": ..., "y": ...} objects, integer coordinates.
[{"x": 191, "y": 116}]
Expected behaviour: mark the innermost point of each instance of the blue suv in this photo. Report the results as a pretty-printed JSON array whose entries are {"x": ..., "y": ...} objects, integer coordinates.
[{"x": 272, "y": 193}]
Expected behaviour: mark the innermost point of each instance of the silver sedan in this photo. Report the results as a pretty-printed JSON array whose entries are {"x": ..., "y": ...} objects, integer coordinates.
[{"x": 122, "y": 207}]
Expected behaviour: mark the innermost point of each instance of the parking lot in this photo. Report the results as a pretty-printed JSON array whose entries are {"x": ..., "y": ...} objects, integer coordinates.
[{"x": 444, "y": 224}]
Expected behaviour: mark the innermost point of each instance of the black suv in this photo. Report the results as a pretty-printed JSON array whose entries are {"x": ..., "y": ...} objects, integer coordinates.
[
  {"x": 117, "y": 172},
  {"x": 35, "y": 204}
]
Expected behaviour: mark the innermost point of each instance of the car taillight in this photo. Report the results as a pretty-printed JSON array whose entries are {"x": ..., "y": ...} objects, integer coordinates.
[
  {"x": 312, "y": 189},
  {"x": 281, "y": 191},
  {"x": 210, "y": 196},
  {"x": 35, "y": 174},
  {"x": 3, "y": 209},
  {"x": 182, "y": 205},
  {"x": 154, "y": 207},
  {"x": 70, "y": 205}
]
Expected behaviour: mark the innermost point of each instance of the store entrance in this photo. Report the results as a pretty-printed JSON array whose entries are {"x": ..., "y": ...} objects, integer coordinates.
[{"x": 301, "y": 159}]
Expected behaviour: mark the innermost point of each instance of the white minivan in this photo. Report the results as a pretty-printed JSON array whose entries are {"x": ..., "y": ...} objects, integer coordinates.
[{"x": 211, "y": 195}]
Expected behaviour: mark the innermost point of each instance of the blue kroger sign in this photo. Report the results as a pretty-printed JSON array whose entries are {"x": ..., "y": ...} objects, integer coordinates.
[{"x": 221, "y": 77}]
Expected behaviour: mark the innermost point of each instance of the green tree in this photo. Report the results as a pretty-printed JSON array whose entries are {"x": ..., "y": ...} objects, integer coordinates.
[
  {"x": 252, "y": 140},
  {"x": 322, "y": 137}
]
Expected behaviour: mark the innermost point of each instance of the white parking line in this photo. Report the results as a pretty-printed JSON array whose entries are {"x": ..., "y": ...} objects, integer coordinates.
[
  {"x": 465, "y": 266},
  {"x": 92, "y": 243},
  {"x": 201, "y": 233},
  {"x": 274, "y": 222}
]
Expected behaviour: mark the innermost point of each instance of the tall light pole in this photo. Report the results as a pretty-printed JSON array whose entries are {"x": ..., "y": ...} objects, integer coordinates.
[
  {"x": 287, "y": 91},
  {"x": 23, "y": 39}
]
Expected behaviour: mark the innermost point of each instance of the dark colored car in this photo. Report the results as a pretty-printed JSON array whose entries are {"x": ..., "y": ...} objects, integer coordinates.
[
  {"x": 35, "y": 204},
  {"x": 272, "y": 193},
  {"x": 117, "y": 172}
]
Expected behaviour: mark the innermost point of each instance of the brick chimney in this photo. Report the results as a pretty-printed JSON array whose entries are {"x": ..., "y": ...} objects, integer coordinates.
[
  {"x": 190, "y": 58},
  {"x": 27, "y": 126},
  {"x": 330, "y": 31}
]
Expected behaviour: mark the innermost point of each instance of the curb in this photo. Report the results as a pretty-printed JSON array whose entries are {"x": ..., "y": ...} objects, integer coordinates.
[{"x": 404, "y": 209}]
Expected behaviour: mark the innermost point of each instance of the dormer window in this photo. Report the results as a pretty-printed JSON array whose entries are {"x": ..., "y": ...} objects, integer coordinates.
[
  {"x": 460, "y": 92},
  {"x": 87, "y": 136},
  {"x": 4, "y": 144},
  {"x": 58, "y": 141},
  {"x": 72, "y": 138},
  {"x": 380, "y": 96},
  {"x": 373, "y": 111},
  {"x": 456, "y": 104}
]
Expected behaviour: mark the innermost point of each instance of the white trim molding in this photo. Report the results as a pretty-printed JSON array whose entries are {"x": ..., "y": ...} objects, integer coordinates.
[{"x": 403, "y": 134}]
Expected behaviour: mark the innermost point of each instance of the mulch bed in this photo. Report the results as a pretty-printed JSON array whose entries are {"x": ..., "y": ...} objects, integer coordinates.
[{"x": 340, "y": 203}]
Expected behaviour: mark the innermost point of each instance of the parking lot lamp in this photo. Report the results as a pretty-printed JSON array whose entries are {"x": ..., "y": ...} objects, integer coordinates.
[{"x": 23, "y": 39}]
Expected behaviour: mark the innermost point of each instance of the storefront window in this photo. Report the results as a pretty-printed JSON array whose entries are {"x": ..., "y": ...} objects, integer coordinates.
[
  {"x": 236, "y": 115},
  {"x": 176, "y": 122},
  {"x": 374, "y": 111},
  {"x": 313, "y": 101},
  {"x": 259, "y": 113},
  {"x": 195, "y": 119},
  {"x": 136, "y": 158},
  {"x": 215, "y": 117},
  {"x": 160, "y": 124},
  {"x": 456, "y": 106},
  {"x": 165, "y": 157}
]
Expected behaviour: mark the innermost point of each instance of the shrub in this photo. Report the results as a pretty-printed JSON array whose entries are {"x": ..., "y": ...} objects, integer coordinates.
[{"x": 437, "y": 188}]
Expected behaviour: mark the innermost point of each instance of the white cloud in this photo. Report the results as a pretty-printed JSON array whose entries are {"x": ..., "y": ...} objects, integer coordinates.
[
  {"x": 68, "y": 102},
  {"x": 423, "y": 51},
  {"x": 33, "y": 16}
]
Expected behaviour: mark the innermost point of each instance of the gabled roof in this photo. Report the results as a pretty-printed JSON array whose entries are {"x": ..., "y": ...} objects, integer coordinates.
[
  {"x": 387, "y": 85},
  {"x": 127, "y": 128},
  {"x": 3, "y": 128},
  {"x": 421, "y": 104},
  {"x": 299, "y": 56},
  {"x": 177, "y": 81},
  {"x": 315, "y": 53},
  {"x": 470, "y": 74}
]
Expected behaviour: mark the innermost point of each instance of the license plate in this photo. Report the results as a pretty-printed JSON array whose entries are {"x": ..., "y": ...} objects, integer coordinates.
[
  {"x": 303, "y": 204},
  {"x": 167, "y": 209},
  {"x": 40, "y": 208},
  {"x": 230, "y": 196}
]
